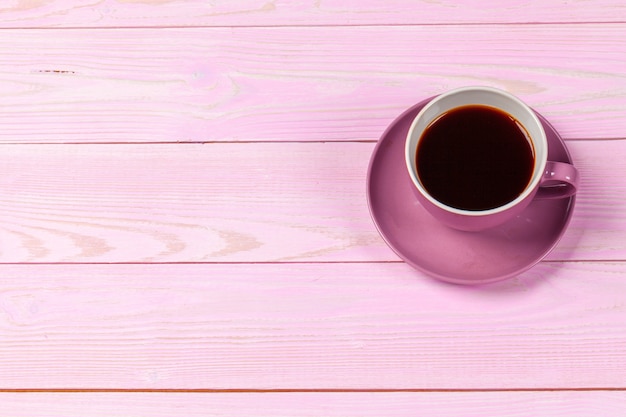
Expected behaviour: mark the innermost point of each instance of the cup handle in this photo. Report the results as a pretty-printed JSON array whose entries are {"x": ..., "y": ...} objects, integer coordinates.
[{"x": 559, "y": 180}]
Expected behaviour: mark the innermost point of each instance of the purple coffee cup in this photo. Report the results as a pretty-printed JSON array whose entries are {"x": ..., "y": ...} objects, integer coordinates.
[{"x": 549, "y": 179}]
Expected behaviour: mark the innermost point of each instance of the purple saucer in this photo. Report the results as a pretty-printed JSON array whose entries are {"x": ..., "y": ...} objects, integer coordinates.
[{"x": 448, "y": 254}]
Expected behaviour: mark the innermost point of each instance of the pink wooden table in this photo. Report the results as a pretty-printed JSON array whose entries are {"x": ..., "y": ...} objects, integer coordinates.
[{"x": 184, "y": 228}]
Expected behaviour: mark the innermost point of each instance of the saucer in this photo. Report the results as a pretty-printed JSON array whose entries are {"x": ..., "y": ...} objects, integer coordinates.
[{"x": 448, "y": 254}]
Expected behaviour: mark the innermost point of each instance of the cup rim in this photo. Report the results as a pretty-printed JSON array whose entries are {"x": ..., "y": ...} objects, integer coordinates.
[{"x": 539, "y": 165}]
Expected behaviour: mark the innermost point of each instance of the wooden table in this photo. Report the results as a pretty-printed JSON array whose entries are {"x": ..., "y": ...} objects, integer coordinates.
[{"x": 184, "y": 226}]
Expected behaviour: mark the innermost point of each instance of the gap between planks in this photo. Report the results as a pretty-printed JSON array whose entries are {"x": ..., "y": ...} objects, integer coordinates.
[
  {"x": 302, "y": 391},
  {"x": 330, "y": 262},
  {"x": 323, "y": 26},
  {"x": 243, "y": 142},
  {"x": 211, "y": 142}
]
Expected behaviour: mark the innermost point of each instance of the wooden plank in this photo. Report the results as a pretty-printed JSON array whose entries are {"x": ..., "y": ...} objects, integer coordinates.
[
  {"x": 435, "y": 404},
  {"x": 309, "y": 326},
  {"x": 147, "y": 13},
  {"x": 255, "y": 202},
  {"x": 294, "y": 83}
]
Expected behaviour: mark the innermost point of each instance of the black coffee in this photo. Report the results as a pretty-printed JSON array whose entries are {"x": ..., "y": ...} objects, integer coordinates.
[{"x": 475, "y": 158}]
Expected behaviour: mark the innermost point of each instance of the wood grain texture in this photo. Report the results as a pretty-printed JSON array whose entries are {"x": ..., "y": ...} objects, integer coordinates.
[
  {"x": 132, "y": 261},
  {"x": 295, "y": 83},
  {"x": 150, "y": 13},
  {"x": 252, "y": 202},
  {"x": 432, "y": 404},
  {"x": 310, "y": 326}
]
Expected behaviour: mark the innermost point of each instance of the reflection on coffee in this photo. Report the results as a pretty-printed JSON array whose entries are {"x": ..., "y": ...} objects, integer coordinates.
[{"x": 475, "y": 158}]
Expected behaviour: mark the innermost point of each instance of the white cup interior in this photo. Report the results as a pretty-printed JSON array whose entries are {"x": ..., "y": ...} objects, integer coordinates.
[{"x": 478, "y": 96}]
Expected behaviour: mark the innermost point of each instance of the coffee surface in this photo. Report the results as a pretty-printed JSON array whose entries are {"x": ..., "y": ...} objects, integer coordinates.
[{"x": 475, "y": 158}]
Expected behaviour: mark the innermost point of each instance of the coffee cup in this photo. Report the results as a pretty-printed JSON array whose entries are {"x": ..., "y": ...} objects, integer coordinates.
[{"x": 477, "y": 157}]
